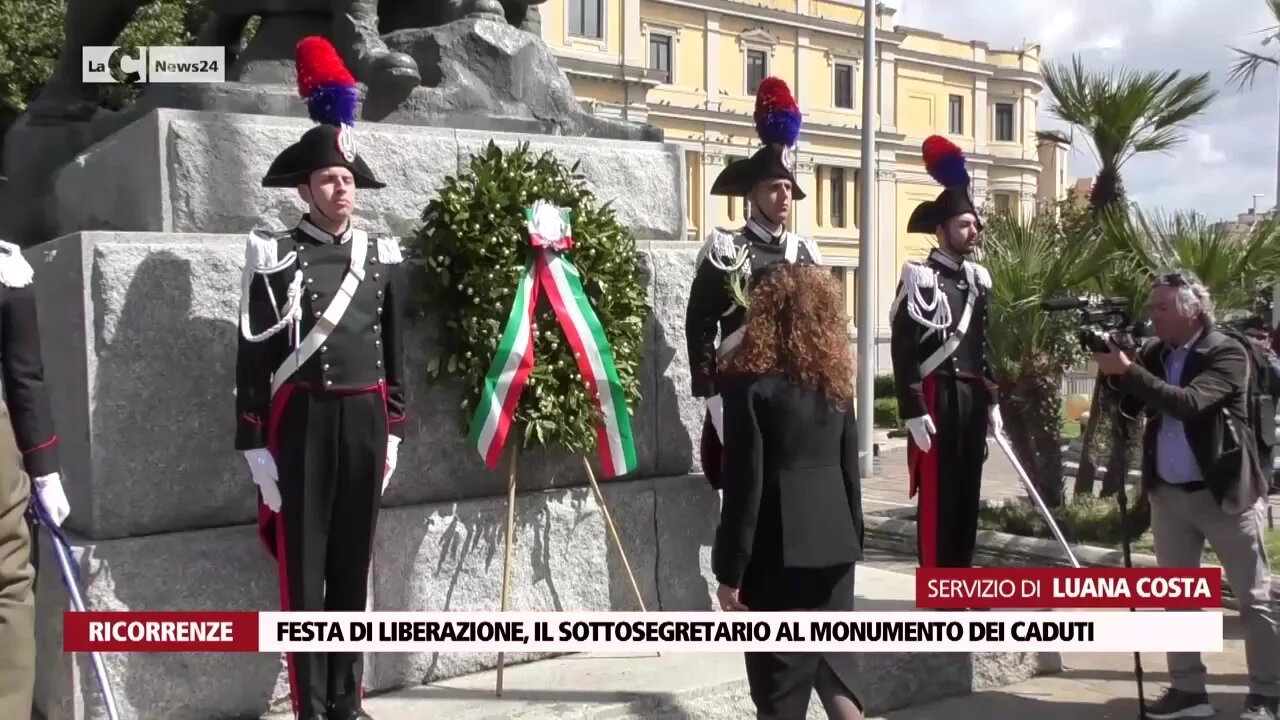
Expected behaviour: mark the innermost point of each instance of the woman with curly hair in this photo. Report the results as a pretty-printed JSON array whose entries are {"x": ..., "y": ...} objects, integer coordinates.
[{"x": 791, "y": 517}]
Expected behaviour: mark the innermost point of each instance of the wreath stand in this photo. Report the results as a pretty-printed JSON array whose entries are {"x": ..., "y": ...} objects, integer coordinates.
[{"x": 510, "y": 533}]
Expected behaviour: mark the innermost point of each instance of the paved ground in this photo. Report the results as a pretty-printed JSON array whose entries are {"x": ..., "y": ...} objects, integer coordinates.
[
  {"x": 1097, "y": 686},
  {"x": 887, "y": 487}
]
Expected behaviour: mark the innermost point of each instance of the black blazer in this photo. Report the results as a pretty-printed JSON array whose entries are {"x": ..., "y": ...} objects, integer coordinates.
[
  {"x": 1211, "y": 402},
  {"x": 792, "y": 491}
]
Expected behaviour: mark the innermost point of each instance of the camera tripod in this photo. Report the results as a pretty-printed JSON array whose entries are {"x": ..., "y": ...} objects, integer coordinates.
[
  {"x": 1120, "y": 433},
  {"x": 1122, "y": 498}
]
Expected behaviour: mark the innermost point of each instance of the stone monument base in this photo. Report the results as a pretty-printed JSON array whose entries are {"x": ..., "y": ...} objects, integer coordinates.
[
  {"x": 139, "y": 334},
  {"x": 441, "y": 557}
]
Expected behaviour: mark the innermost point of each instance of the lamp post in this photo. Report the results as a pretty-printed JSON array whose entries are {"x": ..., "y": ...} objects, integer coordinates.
[{"x": 866, "y": 246}]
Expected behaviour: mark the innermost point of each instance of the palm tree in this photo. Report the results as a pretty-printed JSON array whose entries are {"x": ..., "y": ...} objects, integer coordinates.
[
  {"x": 1122, "y": 114},
  {"x": 1031, "y": 260}
]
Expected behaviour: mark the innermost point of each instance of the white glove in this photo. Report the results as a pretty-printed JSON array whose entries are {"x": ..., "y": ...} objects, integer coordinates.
[
  {"x": 49, "y": 487},
  {"x": 263, "y": 468},
  {"x": 393, "y": 451},
  {"x": 996, "y": 423},
  {"x": 922, "y": 429}
]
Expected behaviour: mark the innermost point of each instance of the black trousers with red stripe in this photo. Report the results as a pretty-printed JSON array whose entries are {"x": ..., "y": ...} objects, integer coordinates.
[
  {"x": 330, "y": 451},
  {"x": 948, "y": 478}
]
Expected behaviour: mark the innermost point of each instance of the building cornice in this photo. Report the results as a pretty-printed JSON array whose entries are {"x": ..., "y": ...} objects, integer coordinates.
[
  {"x": 608, "y": 71},
  {"x": 784, "y": 17},
  {"x": 1020, "y": 76},
  {"x": 744, "y": 119},
  {"x": 945, "y": 61}
]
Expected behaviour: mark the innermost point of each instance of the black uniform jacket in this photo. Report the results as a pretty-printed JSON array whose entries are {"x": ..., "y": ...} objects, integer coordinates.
[
  {"x": 909, "y": 347},
  {"x": 25, "y": 392},
  {"x": 711, "y": 305},
  {"x": 792, "y": 490},
  {"x": 1211, "y": 401},
  {"x": 364, "y": 352}
]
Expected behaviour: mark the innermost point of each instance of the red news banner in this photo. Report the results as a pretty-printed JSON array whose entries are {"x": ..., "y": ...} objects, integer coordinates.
[
  {"x": 175, "y": 631},
  {"x": 1079, "y": 588}
]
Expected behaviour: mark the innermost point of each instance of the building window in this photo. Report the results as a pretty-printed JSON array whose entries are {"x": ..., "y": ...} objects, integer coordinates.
[
  {"x": 1002, "y": 202},
  {"x": 837, "y": 197},
  {"x": 660, "y": 56},
  {"x": 584, "y": 18},
  {"x": 847, "y": 277},
  {"x": 1004, "y": 122},
  {"x": 842, "y": 93},
  {"x": 957, "y": 115},
  {"x": 757, "y": 69}
]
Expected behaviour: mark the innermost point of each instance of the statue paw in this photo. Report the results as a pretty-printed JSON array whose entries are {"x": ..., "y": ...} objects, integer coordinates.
[
  {"x": 483, "y": 7},
  {"x": 391, "y": 68}
]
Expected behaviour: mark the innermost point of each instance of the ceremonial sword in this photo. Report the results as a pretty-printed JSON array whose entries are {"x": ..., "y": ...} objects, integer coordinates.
[
  {"x": 1003, "y": 442},
  {"x": 71, "y": 578}
]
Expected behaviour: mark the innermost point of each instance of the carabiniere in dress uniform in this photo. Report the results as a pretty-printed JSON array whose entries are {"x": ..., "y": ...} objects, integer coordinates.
[
  {"x": 946, "y": 390},
  {"x": 728, "y": 260},
  {"x": 320, "y": 381}
]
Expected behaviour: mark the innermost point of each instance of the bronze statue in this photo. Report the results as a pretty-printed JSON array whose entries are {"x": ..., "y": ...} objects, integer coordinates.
[{"x": 356, "y": 31}]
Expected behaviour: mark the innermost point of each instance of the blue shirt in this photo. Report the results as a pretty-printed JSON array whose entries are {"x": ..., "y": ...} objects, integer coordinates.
[{"x": 1175, "y": 463}]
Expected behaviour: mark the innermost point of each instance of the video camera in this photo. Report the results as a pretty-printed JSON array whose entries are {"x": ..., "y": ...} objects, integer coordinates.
[{"x": 1101, "y": 319}]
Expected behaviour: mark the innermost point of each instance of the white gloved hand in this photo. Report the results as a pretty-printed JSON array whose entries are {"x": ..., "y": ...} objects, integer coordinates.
[
  {"x": 996, "y": 423},
  {"x": 49, "y": 488},
  {"x": 393, "y": 451},
  {"x": 263, "y": 468},
  {"x": 922, "y": 430}
]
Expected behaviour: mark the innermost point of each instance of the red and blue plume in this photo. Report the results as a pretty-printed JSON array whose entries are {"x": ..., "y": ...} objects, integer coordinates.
[
  {"x": 325, "y": 82},
  {"x": 945, "y": 161},
  {"x": 777, "y": 116}
]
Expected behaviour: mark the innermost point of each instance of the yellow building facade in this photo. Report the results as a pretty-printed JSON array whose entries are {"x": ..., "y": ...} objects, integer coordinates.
[{"x": 690, "y": 67}]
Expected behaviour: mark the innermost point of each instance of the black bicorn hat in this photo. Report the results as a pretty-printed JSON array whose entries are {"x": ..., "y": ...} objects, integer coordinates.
[
  {"x": 320, "y": 147},
  {"x": 945, "y": 162},
  {"x": 777, "y": 120},
  {"x": 332, "y": 97}
]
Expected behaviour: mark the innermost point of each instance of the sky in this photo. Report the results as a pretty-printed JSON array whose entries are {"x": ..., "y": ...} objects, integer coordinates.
[{"x": 1229, "y": 153}]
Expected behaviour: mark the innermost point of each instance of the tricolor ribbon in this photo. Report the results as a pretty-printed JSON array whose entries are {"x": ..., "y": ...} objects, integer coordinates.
[{"x": 550, "y": 235}]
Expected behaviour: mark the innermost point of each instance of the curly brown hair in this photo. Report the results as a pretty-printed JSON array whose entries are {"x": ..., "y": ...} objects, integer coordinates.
[{"x": 796, "y": 326}]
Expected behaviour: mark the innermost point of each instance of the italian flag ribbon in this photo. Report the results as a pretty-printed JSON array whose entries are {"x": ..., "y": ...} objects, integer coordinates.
[{"x": 547, "y": 268}]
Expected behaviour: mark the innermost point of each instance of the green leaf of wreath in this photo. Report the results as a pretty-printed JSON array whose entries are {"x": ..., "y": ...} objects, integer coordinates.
[{"x": 468, "y": 257}]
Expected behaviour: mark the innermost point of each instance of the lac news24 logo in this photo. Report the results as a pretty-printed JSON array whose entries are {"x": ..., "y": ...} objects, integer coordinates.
[{"x": 154, "y": 64}]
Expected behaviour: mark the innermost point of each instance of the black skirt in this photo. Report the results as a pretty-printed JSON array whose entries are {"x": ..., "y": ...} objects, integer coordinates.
[{"x": 782, "y": 683}]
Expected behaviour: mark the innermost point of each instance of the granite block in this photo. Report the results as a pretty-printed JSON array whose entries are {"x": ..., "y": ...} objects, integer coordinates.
[
  {"x": 438, "y": 557},
  {"x": 680, "y": 415},
  {"x": 642, "y": 181},
  {"x": 210, "y": 570},
  {"x": 451, "y": 557},
  {"x": 139, "y": 334},
  {"x": 198, "y": 171}
]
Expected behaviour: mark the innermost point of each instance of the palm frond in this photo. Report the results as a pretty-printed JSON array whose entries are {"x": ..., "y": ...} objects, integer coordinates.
[
  {"x": 1123, "y": 112},
  {"x": 1232, "y": 266},
  {"x": 1032, "y": 259},
  {"x": 1246, "y": 66}
]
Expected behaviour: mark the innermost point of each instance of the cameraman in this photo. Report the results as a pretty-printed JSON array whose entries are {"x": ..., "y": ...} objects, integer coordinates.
[{"x": 1201, "y": 471}]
